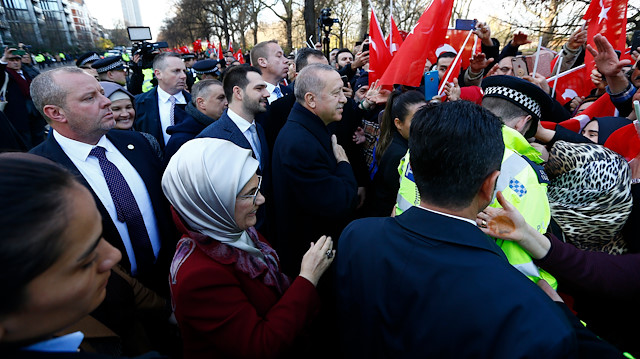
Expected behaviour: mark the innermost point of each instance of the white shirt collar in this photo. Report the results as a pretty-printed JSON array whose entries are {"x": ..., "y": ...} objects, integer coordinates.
[
  {"x": 270, "y": 87},
  {"x": 79, "y": 150},
  {"x": 242, "y": 123},
  {"x": 163, "y": 96},
  {"x": 449, "y": 215}
]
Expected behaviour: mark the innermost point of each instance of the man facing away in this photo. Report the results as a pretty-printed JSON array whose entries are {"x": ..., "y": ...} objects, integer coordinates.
[{"x": 429, "y": 283}]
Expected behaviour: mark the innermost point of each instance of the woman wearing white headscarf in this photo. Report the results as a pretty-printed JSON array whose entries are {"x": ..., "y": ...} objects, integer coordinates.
[{"x": 230, "y": 298}]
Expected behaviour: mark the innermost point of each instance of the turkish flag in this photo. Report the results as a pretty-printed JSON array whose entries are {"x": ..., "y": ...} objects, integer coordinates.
[
  {"x": 625, "y": 141},
  {"x": 379, "y": 55},
  {"x": 609, "y": 18},
  {"x": 455, "y": 72},
  {"x": 602, "y": 107},
  {"x": 197, "y": 46},
  {"x": 220, "y": 55},
  {"x": 571, "y": 85},
  {"x": 239, "y": 56},
  {"x": 456, "y": 38},
  {"x": 394, "y": 39},
  {"x": 407, "y": 65}
]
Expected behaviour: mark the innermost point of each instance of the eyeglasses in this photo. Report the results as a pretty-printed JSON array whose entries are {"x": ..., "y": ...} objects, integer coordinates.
[{"x": 255, "y": 195}]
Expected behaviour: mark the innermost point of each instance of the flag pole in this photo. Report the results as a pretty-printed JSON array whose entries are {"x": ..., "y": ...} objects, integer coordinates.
[
  {"x": 566, "y": 73},
  {"x": 453, "y": 64},
  {"x": 535, "y": 66},
  {"x": 475, "y": 44},
  {"x": 553, "y": 91},
  {"x": 390, "y": 25}
]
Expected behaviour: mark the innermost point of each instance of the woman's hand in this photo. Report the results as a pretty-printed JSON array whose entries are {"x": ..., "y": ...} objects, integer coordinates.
[
  {"x": 508, "y": 224},
  {"x": 317, "y": 259}
]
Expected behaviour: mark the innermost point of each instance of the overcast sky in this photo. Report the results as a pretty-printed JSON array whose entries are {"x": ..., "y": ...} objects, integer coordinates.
[{"x": 109, "y": 12}]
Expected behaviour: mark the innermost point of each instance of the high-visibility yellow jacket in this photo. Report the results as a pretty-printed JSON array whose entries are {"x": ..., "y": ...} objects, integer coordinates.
[{"x": 522, "y": 182}]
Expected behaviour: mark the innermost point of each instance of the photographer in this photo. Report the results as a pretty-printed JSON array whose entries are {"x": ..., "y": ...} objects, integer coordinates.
[{"x": 142, "y": 78}]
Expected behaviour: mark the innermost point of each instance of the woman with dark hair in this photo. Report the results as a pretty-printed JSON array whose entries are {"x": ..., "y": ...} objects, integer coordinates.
[
  {"x": 54, "y": 263},
  {"x": 392, "y": 146},
  {"x": 231, "y": 299}
]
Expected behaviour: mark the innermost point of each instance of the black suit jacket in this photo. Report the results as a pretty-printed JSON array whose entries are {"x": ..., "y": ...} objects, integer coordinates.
[
  {"x": 313, "y": 194},
  {"x": 148, "y": 114},
  {"x": 425, "y": 285},
  {"x": 278, "y": 112},
  {"x": 137, "y": 150}
]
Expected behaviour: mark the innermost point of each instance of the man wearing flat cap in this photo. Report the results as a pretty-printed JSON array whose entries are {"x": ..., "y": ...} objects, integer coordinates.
[
  {"x": 111, "y": 69},
  {"x": 207, "y": 69},
  {"x": 520, "y": 105}
]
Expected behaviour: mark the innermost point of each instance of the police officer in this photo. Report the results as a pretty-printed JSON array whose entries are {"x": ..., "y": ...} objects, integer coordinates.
[
  {"x": 189, "y": 60},
  {"x": 207, "y": 69},
  {"x": 111, "y": 69}
]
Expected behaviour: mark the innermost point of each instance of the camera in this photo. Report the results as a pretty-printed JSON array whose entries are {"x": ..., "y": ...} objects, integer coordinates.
[
  {"x": 139, "y": 36},
  {"x": 325, "y": 18}
]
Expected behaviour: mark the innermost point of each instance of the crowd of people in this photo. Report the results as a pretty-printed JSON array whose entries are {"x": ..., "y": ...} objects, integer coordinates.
[{"x": 292, "y": 208}]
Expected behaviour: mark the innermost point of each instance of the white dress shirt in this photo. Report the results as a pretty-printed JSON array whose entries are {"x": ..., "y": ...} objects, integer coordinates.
[
  {"x": 244, "y": 126},
  {"x": 89, "y": 167},
  {"x": 164, "y": 108},
  {"x": 272, "y": 95}
]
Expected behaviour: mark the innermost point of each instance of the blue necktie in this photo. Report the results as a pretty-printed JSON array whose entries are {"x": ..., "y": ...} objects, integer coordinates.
[
  {"x": 256, "y": 142},
  {"x": 127, "y": 210},
  {"x": 277, "y": 92}
]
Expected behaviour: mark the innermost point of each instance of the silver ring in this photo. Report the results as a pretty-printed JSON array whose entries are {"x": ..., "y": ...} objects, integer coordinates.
[
  {"x": 484, "y": 224},
  {"x": 329, "y": 254}
]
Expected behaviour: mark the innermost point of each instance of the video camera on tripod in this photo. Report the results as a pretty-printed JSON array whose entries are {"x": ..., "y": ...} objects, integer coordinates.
[
  {"x": 325, "y": 22},
  {"x": 139, "y": 36}
]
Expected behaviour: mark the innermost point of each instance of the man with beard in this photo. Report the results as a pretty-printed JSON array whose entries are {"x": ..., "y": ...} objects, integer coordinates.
[
  {"x": 247, "y": 94},
  {"x": 163, "y": 105}
]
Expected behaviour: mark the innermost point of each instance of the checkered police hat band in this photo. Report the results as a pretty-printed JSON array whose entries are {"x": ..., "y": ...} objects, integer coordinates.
[
  {"x": 215, "y": 69},
  {"x": 93, "y": 57},
  {"x": 110, "y": 67},
  {"x": 515, "y": 96}
]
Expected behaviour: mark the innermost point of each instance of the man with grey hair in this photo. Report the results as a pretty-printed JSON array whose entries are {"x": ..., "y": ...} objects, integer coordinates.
[
  {"x": 208, "y": 103},
  {"x": 119, "y": 167},
  {"x": 163, "y": 105},
  {"x": 314, "y": 187}
]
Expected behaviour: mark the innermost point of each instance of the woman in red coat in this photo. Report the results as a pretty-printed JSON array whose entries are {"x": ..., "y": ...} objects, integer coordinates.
[{"x": 230, "y": 298}]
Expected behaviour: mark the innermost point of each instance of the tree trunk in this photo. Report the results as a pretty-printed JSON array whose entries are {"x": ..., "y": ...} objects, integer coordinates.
[
  {"x": 549, "y": 22},
  {"x": 364, "y": 18},
  {"x": 310, "y": 20}
]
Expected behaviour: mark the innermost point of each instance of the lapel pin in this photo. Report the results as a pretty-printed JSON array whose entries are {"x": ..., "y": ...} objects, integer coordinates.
[{"x": 130, "y": 147}]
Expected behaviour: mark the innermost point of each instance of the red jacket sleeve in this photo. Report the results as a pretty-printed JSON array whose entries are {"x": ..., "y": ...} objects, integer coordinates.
[{"x": 221, "y": 310}]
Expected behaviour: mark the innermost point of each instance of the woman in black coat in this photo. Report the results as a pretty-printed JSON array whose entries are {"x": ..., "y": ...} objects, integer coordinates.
[{"x": 392, "y": 146}]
